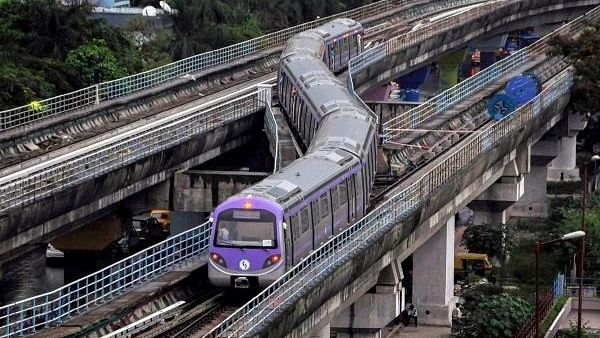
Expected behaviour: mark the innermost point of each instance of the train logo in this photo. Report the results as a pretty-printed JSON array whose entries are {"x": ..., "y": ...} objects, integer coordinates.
[{"x": 244, "y": 265}]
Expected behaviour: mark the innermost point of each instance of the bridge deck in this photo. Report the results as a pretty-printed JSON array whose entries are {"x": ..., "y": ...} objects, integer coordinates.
[{"x": 128, "y": 300}]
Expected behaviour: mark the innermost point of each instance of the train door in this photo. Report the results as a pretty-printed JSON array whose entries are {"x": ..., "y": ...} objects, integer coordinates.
[
  {"x": 326, "y": 214},
  {"x": 344, "y": 205},
  {"x": 359, "y": 177},
  {"x": 289, "y": 243},
  {"x": 319, "y": 230},
  {"x": 351, "y": 199}
]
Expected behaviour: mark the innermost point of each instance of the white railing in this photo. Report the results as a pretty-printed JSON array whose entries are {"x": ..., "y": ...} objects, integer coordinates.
[
  {"x": 271, "y": 125},
  {"x": 255, "y": 315},
  {"x": 94, "y": 95},
  {"x": 397, "y": 126},
  {"x": 39, "y": 181},
  {"x": 55, "y": 307}
]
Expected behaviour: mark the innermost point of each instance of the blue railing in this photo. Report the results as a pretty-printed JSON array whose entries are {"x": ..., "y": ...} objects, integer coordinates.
[{"x": 56, "y": 307}]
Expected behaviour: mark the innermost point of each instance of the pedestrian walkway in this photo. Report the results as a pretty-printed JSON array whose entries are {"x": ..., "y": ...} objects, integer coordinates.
[
  {"x": 416, "y": 332},
  {"x": 591, "y": 319}
]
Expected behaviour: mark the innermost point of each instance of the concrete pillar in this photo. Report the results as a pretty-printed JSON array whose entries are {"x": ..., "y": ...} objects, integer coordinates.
[
  {"x": 323, "y": 333},
  {"x": 449, "y": 66},
  {"x": 433, "y": 277},
  {"x": 491, "y": 206},
  {"x": 374, "y": 310},
  {"x": 563, "y": 167},
  {"x": 534, "y": 202}
]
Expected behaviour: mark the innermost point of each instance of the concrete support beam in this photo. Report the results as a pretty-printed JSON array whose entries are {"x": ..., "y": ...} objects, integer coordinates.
[
  {"x": 325, "y": 332},
  {"x": 433, "y": 277},
  {"x": 375, "y": 309},
  {"x": 563, "y": 167},
  {"x": 491, "y": 206}
]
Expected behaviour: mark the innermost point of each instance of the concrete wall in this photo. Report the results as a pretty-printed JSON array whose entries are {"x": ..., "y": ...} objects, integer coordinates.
[{"x": 203, "y": 190}]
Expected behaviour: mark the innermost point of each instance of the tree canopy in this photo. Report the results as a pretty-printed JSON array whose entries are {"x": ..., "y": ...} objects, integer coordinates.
[{"x": 583, "y": 52}]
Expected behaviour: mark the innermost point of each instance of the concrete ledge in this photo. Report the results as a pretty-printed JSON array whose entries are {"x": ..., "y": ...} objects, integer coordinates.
[{"x": 562, "y": 316}]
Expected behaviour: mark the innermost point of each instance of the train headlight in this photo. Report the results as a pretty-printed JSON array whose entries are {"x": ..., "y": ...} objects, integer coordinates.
[
  {"x": 272, "y": 260},
  {"x": 215, "y": 257}
]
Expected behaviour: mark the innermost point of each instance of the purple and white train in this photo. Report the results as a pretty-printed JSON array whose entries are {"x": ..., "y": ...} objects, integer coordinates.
[{"x": 266, "y": 229}]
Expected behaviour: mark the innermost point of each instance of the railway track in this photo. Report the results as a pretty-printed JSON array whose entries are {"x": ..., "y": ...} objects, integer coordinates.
[
  {"x": 198, "y": 319},
  {"x": 443, "y": 139}
]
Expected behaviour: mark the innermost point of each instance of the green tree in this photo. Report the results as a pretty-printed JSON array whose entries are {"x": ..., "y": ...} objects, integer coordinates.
[
  {"x": 95, "y": 56},
  {"x": 584, "y": 54},
  {"x": 494, "y": 316},
  {"x": 491, "y": 239},
  {"x": 566, "y": 219}
]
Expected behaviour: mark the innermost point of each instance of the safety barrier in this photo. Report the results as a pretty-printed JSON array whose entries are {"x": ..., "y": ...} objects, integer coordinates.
[
  {"x": 94, "y": 95},
  {"x": 39, "y": 181},
  {"x": 547, "y": 301},
  {"x": 55, "y": 307},
  {"x": 256, "y": 314},
  {"x": 272, "y": 128},
  {"x": 398, "y": 126}
]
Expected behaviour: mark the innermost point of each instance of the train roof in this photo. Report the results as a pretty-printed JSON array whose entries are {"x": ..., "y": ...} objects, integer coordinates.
[
  {"x": 348, "y": 130},
  {"x": 303, "y": 177},
  {"x": 308, "y": 43},
  {"x": 315, "y": 81},
  {"x": 338, "y": 27}
]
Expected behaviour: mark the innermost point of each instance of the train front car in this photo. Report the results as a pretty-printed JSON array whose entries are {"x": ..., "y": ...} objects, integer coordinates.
[{"x": 245, "y": 246}]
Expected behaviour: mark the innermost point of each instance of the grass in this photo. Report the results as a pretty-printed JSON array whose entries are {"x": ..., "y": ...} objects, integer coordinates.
[{"x": 558, "y": 305}]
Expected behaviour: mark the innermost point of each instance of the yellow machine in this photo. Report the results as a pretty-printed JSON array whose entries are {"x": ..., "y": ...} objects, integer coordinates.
[
  {"x": 471, "y": 262},
  {"x": 163, "y": 218}
]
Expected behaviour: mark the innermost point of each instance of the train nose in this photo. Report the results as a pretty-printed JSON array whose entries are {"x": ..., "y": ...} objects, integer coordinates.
[{"x": 241, "y": 283}]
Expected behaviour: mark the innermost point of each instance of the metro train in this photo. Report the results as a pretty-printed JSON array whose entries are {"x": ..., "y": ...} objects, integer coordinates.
[{"x": 269, "y": 227}]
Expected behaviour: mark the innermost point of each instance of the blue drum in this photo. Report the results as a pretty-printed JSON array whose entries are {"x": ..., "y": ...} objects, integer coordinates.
[{"x": 499, "y": 106}]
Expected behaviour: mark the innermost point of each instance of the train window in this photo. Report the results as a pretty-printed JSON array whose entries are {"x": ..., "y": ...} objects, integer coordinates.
[
  {"x": 315, "y": 212},
  {"x": 324, "y": 206},
  {"x": 351, "y": 192},
  {"x": 304, "y": 220},
  {"x": 334, "y": 198},
  {"x": 343, "y": 193}
]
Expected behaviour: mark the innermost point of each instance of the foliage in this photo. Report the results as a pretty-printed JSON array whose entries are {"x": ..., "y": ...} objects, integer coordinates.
[
  {"x": 94, "y": 56},
  {"x": 487, "y": 239},
  {"x": 558, "y": 305},
  {"x": 493, "y": 316},
  {"x": 584, "y": 53},
  {"x": 571, "y": 332},
  {"x": 36, "y": 36},
  {"x": 566, "y": 219}
]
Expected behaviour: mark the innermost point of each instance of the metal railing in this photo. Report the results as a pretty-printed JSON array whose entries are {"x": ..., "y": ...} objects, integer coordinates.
[
  {"x": 55, "y": 307},
  {"x": 547, "y": 301},
  {"x": 36, "y": 182},
  {"x": 591, "y": 287},
  {"x": 396, "y": 127},
  {"x": 260, "y": 311},
  {"x": 272, "y": 128},
  {"x": 94, "y": 95}
]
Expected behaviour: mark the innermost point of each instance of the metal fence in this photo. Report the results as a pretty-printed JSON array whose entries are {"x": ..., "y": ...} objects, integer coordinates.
[
  {"x": 262, "y": 309},
  {"x": 55, "y": 307},
  {"x": 36, "y": 182},
  {"x": 547, "y": 301},
  {"x": 94, "y": 95},
  {"x": 591, "y": 287},
  {"x": 272, "y": 129},
  {"x": 396, "y": 127}
]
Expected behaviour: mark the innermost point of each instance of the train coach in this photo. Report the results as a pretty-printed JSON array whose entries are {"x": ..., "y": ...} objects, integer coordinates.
[{"x": 269, "y": 227}]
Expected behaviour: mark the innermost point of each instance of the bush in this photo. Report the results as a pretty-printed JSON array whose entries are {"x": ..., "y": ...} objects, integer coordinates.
[{"x": 492, "y": 315}]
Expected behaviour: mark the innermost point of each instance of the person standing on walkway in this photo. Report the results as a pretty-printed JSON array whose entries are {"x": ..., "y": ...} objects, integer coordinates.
[{"x": 412, "y": 313}]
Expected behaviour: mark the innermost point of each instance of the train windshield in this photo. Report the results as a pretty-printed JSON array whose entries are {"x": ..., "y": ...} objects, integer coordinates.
[{"x": 246, "y": 229}]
